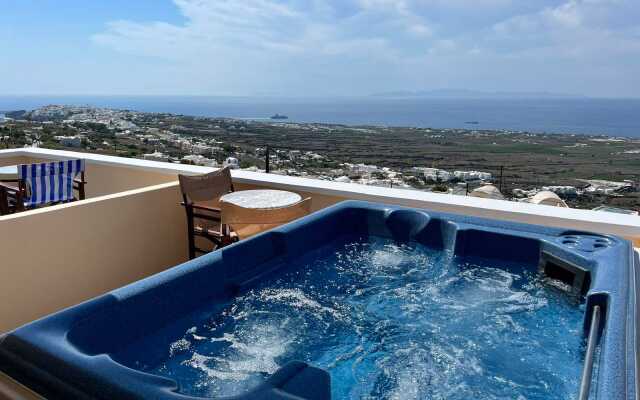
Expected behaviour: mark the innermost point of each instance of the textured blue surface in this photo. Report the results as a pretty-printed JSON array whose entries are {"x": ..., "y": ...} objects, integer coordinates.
[{"x": 88, "y": 351}]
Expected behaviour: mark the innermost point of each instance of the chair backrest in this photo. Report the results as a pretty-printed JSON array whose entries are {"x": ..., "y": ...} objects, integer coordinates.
[
  {"x": 207, "y": 187},
  {"x": 246, "y": 222},
  {"x": 50, "y": 182}
]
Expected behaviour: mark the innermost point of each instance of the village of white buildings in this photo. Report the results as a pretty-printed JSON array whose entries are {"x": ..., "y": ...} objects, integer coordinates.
[{"x": 164, "y": 137}]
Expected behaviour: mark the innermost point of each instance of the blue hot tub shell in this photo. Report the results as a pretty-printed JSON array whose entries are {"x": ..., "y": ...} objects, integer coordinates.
[{"x": 69, "y": 354}]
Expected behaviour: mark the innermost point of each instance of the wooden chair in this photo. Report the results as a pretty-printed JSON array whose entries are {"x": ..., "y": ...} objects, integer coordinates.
[
  {"x": 44, "y": 184},
  {"x": 246, "y": 222},
  {"x": 200, "y": 198}
]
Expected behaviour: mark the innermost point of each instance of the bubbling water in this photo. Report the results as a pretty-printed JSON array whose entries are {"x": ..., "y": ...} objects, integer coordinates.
[{"x": 388, "y": 322}]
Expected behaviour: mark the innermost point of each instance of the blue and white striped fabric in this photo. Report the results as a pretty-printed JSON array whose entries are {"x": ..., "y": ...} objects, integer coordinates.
[{"x": 49, "y": 182}]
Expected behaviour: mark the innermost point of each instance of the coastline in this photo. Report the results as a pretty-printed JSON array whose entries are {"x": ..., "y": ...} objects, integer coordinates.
[{"x": 582, "y": 116}]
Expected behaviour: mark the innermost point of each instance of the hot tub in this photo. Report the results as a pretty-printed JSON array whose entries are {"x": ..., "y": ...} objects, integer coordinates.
[{"x": 359, "y": 300}]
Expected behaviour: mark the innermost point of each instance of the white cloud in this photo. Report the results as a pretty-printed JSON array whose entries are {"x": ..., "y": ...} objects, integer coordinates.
[
  {"x": 420, "y": 30},
  {"x": 363, "y": 46},
  {"x": 567, "y": 15}
]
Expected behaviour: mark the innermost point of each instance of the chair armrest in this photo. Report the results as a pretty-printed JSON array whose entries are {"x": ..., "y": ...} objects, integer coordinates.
[
  {"x": 200, "y": 207},
  {"x": 9, "y": 188},
  {"x": 208, "y": 217},
  {"x": 205, "y": 208}
]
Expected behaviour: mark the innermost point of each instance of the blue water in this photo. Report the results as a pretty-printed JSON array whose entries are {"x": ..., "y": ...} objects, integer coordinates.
[
  {"x": 387, "y": 322},
  {"x": 615, "y": 117}
]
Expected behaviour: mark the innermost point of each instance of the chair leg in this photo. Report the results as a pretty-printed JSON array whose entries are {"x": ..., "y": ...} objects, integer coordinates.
[
  {"x": 192, "y": 246},
  {"x": 190, "y": 234},
  {"x": 19, "y": 201},
  {"x": 4, "y": 202},
  {"x": 81, "y": 193},
  {"x": 227, "y": 238}
]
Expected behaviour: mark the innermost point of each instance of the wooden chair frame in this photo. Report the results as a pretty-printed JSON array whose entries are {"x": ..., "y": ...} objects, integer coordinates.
[{"x": 195, "y": 210}]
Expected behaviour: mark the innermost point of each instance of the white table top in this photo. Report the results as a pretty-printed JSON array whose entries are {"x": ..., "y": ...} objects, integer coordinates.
[
  {"x": 262, "y": 198},
  {"x": 9, "y": 172}
]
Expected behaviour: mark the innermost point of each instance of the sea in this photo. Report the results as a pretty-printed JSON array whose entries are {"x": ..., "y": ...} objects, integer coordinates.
[{"x": 611, "y": 117}]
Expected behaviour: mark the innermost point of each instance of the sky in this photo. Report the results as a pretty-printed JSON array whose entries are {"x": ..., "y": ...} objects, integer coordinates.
[{"x": 318, "y": 47}]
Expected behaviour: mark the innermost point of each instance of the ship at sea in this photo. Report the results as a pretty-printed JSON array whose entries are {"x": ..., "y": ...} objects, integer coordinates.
[{"x": 278, "y": 116}]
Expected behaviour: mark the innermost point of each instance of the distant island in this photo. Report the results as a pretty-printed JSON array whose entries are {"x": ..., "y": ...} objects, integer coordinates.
[
  {"x": 473, "y": 94},
  {"x": 278, "y": 116}
]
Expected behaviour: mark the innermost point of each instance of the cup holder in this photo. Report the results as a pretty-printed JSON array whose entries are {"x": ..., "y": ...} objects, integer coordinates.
[{"x": 586, "y": 243}]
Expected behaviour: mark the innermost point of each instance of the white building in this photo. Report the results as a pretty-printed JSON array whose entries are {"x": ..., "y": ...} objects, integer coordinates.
[
  {"x": 561, "y": 190},
  {"x": 472, "y": 175},
  {"x": 364, "y": 168},
  {"x": 200, "y": 160},
  {"x": 124, "y": 124},
  {"x": 183, "y": 144},
  {"x": 294, "y": 154},
  {"x": 436, "y": 175},
  {"x": 597, "y": 186},
  {"x": 358, "y": 169},
  {"x": 69, "y": 141},
  {"x": 232, "y": 163},
  {"x": 200, "y": 148},
  {"x": 156, "y": 156}
]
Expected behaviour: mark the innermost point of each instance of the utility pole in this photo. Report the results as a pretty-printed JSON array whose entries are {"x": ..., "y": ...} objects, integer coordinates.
[
  {"x": 266, "y": 159},
  {"x": 501, "y": 175}
]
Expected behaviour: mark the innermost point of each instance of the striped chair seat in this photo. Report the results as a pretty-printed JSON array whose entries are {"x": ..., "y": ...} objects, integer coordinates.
[{"x": 49, "y": 182}]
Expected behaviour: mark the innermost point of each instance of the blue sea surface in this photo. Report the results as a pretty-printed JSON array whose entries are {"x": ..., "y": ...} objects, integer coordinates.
[
  {"x": 387, "y": 321},
  {"x": 614, "y": 117}
]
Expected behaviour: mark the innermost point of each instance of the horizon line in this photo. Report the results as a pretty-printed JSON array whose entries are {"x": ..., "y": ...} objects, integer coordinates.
[{"x": 390, "y": 95}]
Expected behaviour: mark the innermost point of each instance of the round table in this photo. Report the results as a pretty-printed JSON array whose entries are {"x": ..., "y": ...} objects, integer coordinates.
[
  {"x": 262, "y": 198},
  {"x": 9, "y": 173}
]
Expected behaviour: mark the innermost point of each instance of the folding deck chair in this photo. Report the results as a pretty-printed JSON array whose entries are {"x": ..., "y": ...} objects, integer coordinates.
[{"x": 45, "y": 183}]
